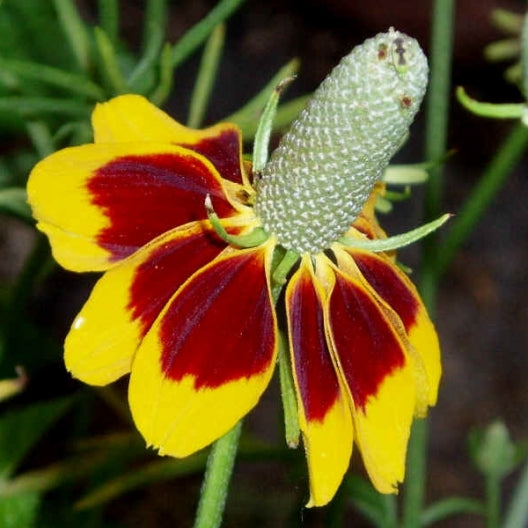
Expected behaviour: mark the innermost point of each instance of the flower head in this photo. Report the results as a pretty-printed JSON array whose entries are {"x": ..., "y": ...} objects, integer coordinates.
[{"x": 189, "y": 310}]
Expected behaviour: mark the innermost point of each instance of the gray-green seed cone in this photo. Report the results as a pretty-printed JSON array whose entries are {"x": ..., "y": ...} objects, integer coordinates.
[{"x": 319, "y": 177}]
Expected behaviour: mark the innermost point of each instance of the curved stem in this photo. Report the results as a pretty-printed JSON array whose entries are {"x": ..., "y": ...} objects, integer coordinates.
[{"x": 216, "y": 482}]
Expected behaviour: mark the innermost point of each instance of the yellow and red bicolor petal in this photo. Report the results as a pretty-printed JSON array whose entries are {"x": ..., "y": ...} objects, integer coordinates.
[
  {"x": 132, "y": 118},
  {"x": 324, "y": 412},
  {"x": 209, "y": 356},
  {"x": 377, "y": 372},
  {"x": 395, "y": 288},
  {"x": 100, "y": 203},
  {"x": 127, "y": 299}
]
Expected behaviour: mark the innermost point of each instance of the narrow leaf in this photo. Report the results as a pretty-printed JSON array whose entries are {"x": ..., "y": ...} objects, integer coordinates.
[
  {"x": 397, "y": 241},
  {"x": 289, "y": 401},
  {"x": 162, "y": 91},
  {"x": 13, "y": 202},
  {"x": 71, "y": 82},
  {"x": 265, "y": 126},
  {"x": 109, "y": 18},
  {"x": 449, "y": 507},
  {"x": 497, "y": 111},
  {"x": 109, "y": 62},
  {"x": 365, "y": 498},
  {"x": 155, "y": 21},
  {"x": 75, "y": 30},
  {"x": 199, "y": 32},
  {"x": 35, "y": 106},
  {"x": 19, "y": 511},
  {"x": 247, "y": 117},
  {"x": 205, "y": 79},
  {"x": 147, "y": 62},
  {"x": 21, "y": 429},
  {"x": 157, "y": 471}
]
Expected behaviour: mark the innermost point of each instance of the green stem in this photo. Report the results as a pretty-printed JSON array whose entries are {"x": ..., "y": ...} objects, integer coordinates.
[
  {"x": 216, "y": 482},
  {"x": 415, "y": 479},
  {"x": 492, "y": 180},
  {"x": 435, "y": 146},
  {"x": 517, "y": 513},
  {"x": 492, "y": 501},
  {"x": 390, "y": 511},
  {"x": 437, "y": 112}
]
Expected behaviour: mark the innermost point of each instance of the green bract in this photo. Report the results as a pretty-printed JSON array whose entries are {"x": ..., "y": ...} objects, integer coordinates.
[{"x": 321, "y": 174}]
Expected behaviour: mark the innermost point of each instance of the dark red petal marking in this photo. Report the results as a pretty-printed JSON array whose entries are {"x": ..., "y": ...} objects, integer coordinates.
[
  {"x": 223, "y": 151},
  {"x": 167, "y": 268},
  {"x": 220, "y": 327},
  {"x": 314, "y": 371},
  {"x": 147, "y": 195},
  {"x": 367, "y": 348},
  {"x": 380, "y": 275}
]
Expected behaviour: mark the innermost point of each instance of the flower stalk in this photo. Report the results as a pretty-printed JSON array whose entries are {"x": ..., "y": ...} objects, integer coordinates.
[{"x": 217, "y": 477}]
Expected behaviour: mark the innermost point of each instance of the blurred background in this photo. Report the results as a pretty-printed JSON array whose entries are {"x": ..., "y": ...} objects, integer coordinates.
[{"x": 482, "y": 312}]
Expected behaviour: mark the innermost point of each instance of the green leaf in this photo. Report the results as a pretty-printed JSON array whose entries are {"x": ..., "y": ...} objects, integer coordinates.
[
  {"x": 30, "y": 30},
  {"x": 265, "y": 126},
  {"x": 157, "y": 471},
  {"x": 21, "y": 429},
  {"x": 35, "y": 106},
  {"x": 288, "y": 397},
  {"x": 397, "y": 241},
  {"x": 493, "y": 110},
  {"x": 504, "y": 49},
  {"x": 13, "y": 202},
  {"x": 412, "y": 174},
  {"x": 75, "y": 31},
  {"x": 109, "y": 62},
  {"x": 78, "y": 84},
  {"x": 200, "y": 31},
  {"x": 524, "y": 56},
  {"x": 19, "y": 511},
  {"x": 247, "y": 117},
  {"x": 365, "y": 499},
  {"x": 206, "y": 77},
  {"x": 166, "y": 77},
  {"x": 142, "y": 76},
  {"x": 155, "y": 21},
  {"x": 507, "y": 21},
  {"x": 109, "y": 18},
  {"x": 449, "y": 507}
]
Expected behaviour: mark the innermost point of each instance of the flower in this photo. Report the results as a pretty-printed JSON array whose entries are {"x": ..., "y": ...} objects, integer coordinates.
[{"x": 190, "y": 312}]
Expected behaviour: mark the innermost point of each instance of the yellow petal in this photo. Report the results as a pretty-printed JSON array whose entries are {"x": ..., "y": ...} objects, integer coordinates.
[
  {"x": 324, "y": 412},
  {"x": 125, "y": 301},
  {"x": 209, "y": 356}
]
